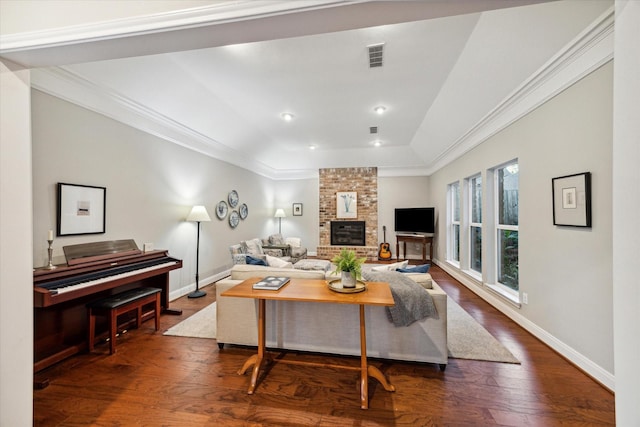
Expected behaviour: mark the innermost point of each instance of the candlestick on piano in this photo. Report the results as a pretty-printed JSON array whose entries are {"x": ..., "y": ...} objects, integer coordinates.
[{"x": 50, "y": 266}]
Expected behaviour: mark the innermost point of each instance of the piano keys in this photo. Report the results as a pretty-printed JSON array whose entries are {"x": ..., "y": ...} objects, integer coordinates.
[{"x": 93, "y": 271}]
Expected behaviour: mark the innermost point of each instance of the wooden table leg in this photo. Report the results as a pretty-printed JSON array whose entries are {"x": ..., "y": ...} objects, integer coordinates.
[
  {"x": 364, "y": 371},
  {"x": 257, "y": 359},
  {"x": 367, "y": 371}
]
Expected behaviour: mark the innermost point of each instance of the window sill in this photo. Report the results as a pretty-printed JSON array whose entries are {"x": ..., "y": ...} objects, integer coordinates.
[
  {"x": 474, "y": 275},
  {"x": 505, "y": 294},
  {"x": 454, "y": 264}
]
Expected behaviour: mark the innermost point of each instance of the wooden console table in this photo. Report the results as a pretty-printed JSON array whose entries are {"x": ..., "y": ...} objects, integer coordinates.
[
  {"x": 314, "y": 290},
  {"x": 415, "y": 238}
]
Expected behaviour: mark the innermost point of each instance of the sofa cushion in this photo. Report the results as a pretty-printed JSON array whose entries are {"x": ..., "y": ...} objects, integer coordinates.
[
  {"x": 244, "y": 271},
  {"x": 423, "y": 279},
  {"x": 313, "y": 264},
  {"x": 273, "y": 261},
  {"x": 391, "y": 267}
]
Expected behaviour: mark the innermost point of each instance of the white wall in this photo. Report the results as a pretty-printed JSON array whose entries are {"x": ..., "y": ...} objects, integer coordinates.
[
  {"x": 305, "y": 191},
  {"x": 401, "y": 192},
  {"x": 567, "y": 272},
  {"x": 16, "y": 279},
  {"x": 626, "y": 205},
  {"x": 151, "y": 186}
]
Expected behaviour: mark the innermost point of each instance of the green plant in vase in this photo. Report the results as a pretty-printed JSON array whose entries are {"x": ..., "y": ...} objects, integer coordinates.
[{"x": 350, "y": 267}]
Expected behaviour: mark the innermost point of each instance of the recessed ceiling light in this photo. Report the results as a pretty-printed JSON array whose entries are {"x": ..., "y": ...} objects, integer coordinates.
[
  {"x": 377, "y": 143},
  {"x": 380, "y": 109},
  {"x": 312, "y": 147},
  {"x": 287, "y": 117}
]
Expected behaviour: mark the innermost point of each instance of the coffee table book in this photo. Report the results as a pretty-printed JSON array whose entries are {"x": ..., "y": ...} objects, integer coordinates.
[{"x": 271, "y": 283}]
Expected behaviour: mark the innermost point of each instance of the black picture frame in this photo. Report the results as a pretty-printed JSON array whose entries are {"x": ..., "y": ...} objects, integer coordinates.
[
  {"x": 81, "y": 209},
  {"x": 297, "y": 209},
  {"x": 572, "y": 200}
]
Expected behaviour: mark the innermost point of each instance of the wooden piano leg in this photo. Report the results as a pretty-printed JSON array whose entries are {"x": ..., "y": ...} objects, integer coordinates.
[
  {"x": 113, "y": 329},
  {"x": 92, "y": 330}
]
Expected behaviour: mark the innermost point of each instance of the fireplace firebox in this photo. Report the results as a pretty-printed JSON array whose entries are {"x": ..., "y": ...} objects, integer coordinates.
[{"x": 348, "y": 233}]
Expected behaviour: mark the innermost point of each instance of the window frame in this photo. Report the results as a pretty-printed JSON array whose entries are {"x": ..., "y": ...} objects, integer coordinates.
[
  {"x": 495, "y": 284},
  {"x": 453, "y": 246},
  {"x": 470, "y": 224}
]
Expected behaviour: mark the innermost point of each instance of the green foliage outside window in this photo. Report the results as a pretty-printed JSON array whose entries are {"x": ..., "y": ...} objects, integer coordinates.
[{"x": 508, "y": 262}]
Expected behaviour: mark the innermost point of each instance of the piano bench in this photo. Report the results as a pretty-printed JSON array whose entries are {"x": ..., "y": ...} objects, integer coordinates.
[{"x": 118, "y": 304}]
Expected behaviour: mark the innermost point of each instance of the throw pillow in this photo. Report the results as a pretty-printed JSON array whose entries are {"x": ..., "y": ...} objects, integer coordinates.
[
  {"x": 276, "y": 239},
  {"x": 391, "y": 267},
  {"x": 294, "y": 242},
  {"x": 417, "y": 269},
  {"x": 255, "y": 261},
  {"x": 254, "y": 247},
  {"x": 239, "y": 259},
  {"x": 277, "y": 262}
]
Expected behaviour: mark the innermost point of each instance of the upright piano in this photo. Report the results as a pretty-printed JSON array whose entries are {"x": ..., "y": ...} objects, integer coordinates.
[{"x": 93, "y": 271}]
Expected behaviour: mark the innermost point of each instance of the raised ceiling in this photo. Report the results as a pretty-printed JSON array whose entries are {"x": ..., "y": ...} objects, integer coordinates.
[{"x": 442, "y": 79}]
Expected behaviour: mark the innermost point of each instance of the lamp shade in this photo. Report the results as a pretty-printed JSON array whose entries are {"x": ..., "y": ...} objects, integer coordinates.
[
  {"x": 198, "y": 213},
  {"x": 279, "y": 213}
]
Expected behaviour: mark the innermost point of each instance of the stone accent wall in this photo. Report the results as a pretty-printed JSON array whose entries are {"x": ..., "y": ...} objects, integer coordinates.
[{"x": 364, "y": 181}]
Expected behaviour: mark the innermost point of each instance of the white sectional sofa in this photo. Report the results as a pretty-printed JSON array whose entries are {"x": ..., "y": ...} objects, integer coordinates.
[{"x": 329, "y": 328}]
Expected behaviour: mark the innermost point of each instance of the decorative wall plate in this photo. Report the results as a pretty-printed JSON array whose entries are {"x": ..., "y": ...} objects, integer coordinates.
[
  {"x": 221, "y": 209},
  {"x": 233, "y": 198},
  {"x": 234, "y": 219},
  {"x": 244, "y": 211}
]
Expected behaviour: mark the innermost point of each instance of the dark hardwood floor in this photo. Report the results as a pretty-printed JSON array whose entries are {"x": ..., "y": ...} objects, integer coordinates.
[{"x": 158, "y": 380}]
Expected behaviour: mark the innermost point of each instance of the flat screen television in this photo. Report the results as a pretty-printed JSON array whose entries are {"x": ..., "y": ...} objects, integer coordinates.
[{"x": 415, "y": 220}]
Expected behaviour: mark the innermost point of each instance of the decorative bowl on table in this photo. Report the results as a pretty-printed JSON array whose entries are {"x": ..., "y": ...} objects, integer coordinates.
[{"x": 336, "y": 286}]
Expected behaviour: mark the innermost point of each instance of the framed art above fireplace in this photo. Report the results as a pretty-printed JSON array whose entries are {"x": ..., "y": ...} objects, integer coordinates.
[{"x": 346, "y": 204}]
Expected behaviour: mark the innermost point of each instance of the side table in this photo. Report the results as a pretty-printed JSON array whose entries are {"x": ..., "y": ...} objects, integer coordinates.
[{"x": 415, "y": 238}]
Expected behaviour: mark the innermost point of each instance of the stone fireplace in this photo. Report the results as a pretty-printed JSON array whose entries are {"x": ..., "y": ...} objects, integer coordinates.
[{"x": 364, "y": 181}]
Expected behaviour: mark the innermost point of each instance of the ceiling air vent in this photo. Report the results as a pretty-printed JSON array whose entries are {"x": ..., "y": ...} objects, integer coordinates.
[
  {"x": 373, "y": 129},
  {"x": 375, "y": 55}
]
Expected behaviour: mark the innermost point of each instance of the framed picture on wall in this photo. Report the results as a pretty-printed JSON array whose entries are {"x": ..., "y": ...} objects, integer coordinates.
[
  {"x": 572, "y": 200},
  {"x": 81, "y": 209},
  {"x": 346, "y": 204},
  {"x": 297, "y": 209}
]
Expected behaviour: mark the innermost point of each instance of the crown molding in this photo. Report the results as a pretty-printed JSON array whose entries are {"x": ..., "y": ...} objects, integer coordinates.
[
  {"x": 160, "y": 22},
  {"x": 590, "y": 50},
  {"x": 71, "y": 87},
  {"x": 587, "y": 52}
]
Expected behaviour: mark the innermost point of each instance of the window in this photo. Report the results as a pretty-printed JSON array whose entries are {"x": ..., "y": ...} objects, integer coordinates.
[
  {"x": 507, "y": 183},
  {"x": 475, "y": 224},
  {"x": 454, "y": 222}
]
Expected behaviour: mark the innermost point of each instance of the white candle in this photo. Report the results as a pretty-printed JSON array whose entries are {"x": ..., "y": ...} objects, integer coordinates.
[{"x": 50, "y": 235}]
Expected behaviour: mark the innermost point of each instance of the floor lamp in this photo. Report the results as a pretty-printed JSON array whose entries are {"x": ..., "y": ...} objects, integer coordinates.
[
  {"x": 198, "y": 214},
  {"x": 279, "y": 214}
]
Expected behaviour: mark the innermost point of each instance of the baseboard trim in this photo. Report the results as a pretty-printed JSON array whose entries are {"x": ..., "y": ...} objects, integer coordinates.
[
  {"x": 174, "y": 295},
  {"x": 580, "y": 361}
]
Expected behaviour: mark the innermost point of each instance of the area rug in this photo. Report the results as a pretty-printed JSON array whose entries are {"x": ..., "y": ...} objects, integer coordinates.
[
  {"x": 467, "y": 339},
  {"x": 202, "y": 324}
]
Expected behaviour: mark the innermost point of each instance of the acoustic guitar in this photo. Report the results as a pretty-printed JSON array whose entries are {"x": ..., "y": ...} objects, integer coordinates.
[{"x": 384, "y": 252}]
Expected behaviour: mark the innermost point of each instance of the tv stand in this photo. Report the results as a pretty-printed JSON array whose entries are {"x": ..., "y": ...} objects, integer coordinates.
[{"x": 415, "y": 238}]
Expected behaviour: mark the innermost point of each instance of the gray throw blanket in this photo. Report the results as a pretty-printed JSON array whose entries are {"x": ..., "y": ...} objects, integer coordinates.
[{"x": 412, "y": 301}]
